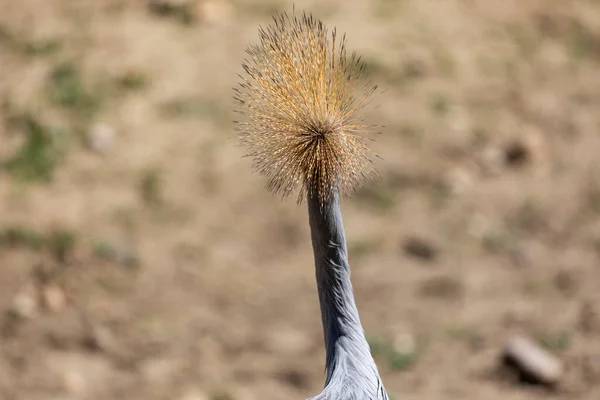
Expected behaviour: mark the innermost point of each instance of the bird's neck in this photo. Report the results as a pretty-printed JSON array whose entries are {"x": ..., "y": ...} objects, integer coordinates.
[{"x": 344, "y": 335}]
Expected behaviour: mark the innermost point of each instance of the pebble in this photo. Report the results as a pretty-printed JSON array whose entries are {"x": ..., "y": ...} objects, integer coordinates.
[
  {"x": 533, "y": 363},
  {"x": 25, "y": 304},
  {"x": 101, "y": 138}
]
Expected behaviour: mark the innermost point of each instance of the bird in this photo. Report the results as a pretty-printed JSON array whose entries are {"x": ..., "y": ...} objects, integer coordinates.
[{"x": 298, "y": 96}]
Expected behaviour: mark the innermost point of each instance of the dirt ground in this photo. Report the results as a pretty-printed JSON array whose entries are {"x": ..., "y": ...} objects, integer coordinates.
[{"x": 142, "y": 259}]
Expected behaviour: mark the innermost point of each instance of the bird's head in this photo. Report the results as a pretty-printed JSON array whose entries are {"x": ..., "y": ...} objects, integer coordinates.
[{"x": 299, "y": 96}]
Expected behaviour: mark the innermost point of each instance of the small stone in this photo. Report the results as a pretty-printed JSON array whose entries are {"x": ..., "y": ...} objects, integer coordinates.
[
  {"x": 25, "y": 304},
  {"x": 100, "y": 138},
  {"x": 53, "y": 298},
  {"x": 534, "y": 364},
  {"x": 420, "y": 248}
]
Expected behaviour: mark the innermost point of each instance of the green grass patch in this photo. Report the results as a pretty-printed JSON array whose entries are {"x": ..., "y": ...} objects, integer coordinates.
[
  {"x": 58, "y": 243},
  {"x": 16, "y": 236},
  {"x": 66, "y": 89},
  {"x": 41, "y": 152}
]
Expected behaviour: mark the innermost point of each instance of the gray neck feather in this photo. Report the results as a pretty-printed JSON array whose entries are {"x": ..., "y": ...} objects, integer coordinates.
[{"x": 349, "y": 363}]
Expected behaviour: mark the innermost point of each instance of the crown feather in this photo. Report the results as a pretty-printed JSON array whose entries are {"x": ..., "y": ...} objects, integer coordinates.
[{"x": 299, "y": 96}]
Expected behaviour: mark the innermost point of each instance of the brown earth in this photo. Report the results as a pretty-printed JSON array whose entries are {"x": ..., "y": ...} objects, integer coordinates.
[{"x": 152, "y": 264}]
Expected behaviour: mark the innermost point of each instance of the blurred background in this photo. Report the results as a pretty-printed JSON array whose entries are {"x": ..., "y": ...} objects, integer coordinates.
[{"x": 142, "y": 259}]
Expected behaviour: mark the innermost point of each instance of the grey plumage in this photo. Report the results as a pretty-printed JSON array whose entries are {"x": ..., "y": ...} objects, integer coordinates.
[{"x": 351, "y": 370}]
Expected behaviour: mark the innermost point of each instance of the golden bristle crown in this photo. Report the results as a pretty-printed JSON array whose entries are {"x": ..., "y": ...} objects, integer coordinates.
[{"x": 299, "y": 96}]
